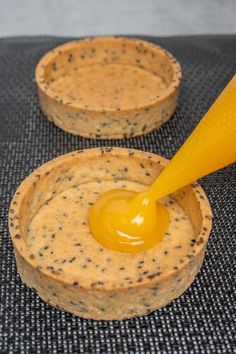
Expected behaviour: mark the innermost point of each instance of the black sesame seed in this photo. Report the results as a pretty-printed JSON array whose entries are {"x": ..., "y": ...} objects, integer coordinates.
[
  {"x": 70, "y": 57},
  {"x": 54, "y": 66},
  {"x": 151, "y": 276},
  {"x": 200, "y": 241}
]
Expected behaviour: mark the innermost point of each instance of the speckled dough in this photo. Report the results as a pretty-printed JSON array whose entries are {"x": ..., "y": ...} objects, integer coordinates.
[
  {"x": 58, "y": 257},
  {"x": 108, "y": 87}
]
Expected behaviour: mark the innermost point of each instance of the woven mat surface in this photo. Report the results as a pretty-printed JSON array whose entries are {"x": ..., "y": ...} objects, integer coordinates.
[{"x": 203, "y": 319}]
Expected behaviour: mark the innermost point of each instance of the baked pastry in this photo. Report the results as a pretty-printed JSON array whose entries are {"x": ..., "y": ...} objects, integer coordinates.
[
  {"x": 58, "y": 257},
  {"x": 108, "y": 87}
]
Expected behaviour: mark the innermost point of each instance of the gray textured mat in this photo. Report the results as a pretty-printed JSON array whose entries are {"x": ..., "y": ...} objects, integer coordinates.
[{"x": 200, "y": 321}]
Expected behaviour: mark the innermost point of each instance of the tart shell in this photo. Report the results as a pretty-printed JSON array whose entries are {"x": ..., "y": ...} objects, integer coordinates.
[
  {"x": 108, "y": 121},
  {"x": 83, "y": 295}
]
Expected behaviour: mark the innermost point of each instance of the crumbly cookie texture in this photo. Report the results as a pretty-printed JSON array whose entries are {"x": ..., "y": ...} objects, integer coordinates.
[
  {"x": 58, "y": 257},
  {"x": 108, "y": 87}
]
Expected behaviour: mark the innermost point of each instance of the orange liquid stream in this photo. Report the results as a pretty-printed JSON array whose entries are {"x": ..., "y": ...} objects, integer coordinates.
[{"x": 127, "y": 221}]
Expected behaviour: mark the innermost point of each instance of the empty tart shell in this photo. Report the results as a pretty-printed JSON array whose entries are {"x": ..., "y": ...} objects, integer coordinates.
[
  {"x": 57, "y": 256},
  {"x": 108, "y": 87}
]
